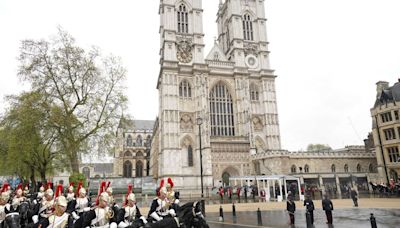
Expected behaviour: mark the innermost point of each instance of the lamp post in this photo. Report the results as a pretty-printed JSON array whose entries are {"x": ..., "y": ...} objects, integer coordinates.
[{"x": 200, "y": 122}]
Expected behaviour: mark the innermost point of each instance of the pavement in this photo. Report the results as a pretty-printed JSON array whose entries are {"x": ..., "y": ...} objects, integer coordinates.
[{"x": 273, "y": 214}]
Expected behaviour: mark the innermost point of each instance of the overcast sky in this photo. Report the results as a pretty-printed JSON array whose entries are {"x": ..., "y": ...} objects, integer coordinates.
[{"x": 328, "y": 55}]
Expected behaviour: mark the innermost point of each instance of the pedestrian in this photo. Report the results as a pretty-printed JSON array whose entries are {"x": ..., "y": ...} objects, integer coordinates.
[
  {"x": 309, "y": 204},
  {"x": 291, "y": 208},
  {"x": 327, "y": 206},
  {"x": 221, "y": 193},
  {"x": 238, "y": 193},
  {"x": 354, "y": 197},
  {"x": 230, "y": 192},
  {"x": 245, "y": 193}
]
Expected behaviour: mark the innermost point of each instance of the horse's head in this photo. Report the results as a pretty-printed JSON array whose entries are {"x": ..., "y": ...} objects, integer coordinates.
[
  {"x": 13, "y": 220},
  {"x": 191, "y": 215},
  {"x": 23, "y": 210}
]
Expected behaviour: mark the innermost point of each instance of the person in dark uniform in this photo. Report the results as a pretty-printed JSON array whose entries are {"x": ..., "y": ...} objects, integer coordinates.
[
  {"x": 129, "y": 213},
  {"x": 309, "y": 204},
  {"x": 160, "y": 208},
  {"x": 354, "y": 197},
  {"x": 291, "y": 208},
  {"x": 327, "y": 206},
  {"x": 101, "y": 216}
]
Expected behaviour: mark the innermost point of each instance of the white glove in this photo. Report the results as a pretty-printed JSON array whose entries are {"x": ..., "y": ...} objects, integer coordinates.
[
  {"x": 35, "y": 219},
  {"x": 155, "y": 216},
  {"x": 113, "y": 225},
  {"x": 143, "y": 219},
  {"x": 75, "y": 216},
  {"x": 176, "y": 201},
  {"x": 34, "y": 201},
  {"x": 172, "y": 212},
  {"x": 122, "y": 225}
]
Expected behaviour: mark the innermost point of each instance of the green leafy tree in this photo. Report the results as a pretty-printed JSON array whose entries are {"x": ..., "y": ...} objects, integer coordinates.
[
  {"x": 27, "y": 142},
  {"x": 85, "y": 90}
]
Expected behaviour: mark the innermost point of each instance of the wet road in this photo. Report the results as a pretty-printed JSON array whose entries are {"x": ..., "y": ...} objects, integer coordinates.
[{"x": 342, "y": 218}]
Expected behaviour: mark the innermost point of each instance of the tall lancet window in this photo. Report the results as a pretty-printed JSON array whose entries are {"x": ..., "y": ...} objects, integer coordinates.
[
  {"x": 247, "y": 27},
  {"x": 183, "y": 21},
  {"x": 221, "y": 111}
]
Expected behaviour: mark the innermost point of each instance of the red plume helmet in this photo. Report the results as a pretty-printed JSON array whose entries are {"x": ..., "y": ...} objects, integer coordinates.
[
  {"x": 4, "y": 187},
  {"x": 159, "y": 188},
  {"x": 130, "y": 190},
  {"x": 102, "y": 188},
  {"x": 170, "y": 182},
  {"x": 19, "y": 186},
  {"x": 78, "y": 189},
  {"x": 49, "y": 185},
  {"x": 59, "y": 191}
]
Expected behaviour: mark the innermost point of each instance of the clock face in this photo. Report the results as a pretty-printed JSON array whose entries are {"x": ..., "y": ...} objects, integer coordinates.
[{"x": 251, "y": 61}]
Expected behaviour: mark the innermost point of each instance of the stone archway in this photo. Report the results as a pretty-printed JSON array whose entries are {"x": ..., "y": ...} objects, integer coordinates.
[{"x": 227, "y": 173}]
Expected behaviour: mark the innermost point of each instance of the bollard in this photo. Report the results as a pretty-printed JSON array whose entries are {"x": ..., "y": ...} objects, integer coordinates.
[
  {"x": 203, "y": 207},
  {"x": 308, "y": 220},
  {"x": 233, "y": 210},
  {"x": 373, "y": 221},
  {"x": 221, "y": 214},
  {"x": 259, "y": 219}
]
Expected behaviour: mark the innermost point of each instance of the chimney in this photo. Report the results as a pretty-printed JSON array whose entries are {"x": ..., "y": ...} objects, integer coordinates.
[{"x": 380, "y": 86}]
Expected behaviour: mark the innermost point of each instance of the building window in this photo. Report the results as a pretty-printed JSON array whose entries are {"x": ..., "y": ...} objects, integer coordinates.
[
  {"x": 139, "y": 140},
  {"x": 346, "y": 168},
  {"x": 127, "y": 154},
  {"x": 393, "y": 154},
  {"x": 386, "y": 117},
  {"x": 371, "y": 168},
  {"x": 183, "y": 25},
  {"x": 247, "y": 27},
  {"x": 139, "y": 169},
  {"x": 306, "y": 169},
  {"x": 184, "y": 89},
  {"x": 358, "y": 168},
  {"x": 333, "y": 168},
  {"x": 254, "y": 92},
  {"x": 389, "y": 134},
  {"x": 221, "y": 111},
  {"x": 129, "y": 141},
  {"x": 396, "y": 115},
  {"x": 293, "y": 169},
  {"x": 139, "y": 154},
  {"x": 86, "y": 172},
  {"x": 127, "y": 169},
  {"x": 190, "y": 156}
]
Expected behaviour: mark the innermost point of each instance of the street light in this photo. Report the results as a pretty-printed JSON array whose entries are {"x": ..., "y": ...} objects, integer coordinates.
[{"x": 200, "y": 122}]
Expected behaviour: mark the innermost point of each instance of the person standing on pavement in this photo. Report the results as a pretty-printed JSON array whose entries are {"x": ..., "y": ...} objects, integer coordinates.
[
  {"x": 291, "y": 208},
  {"x": 354, "y": 197},
  {"x": 309, "y": 204},
  {"x": 327, "y": 206}
]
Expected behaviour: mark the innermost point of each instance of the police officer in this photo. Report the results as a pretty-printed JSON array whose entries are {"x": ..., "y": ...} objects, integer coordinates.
[{"x": 309, "y": 204}]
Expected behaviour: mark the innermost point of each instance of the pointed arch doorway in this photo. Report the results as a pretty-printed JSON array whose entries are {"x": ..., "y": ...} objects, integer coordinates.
[{"x": 226, "y": 174}]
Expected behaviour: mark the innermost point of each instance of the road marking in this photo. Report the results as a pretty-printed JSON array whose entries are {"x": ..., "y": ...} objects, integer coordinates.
[{"x": 235, "y": 224}]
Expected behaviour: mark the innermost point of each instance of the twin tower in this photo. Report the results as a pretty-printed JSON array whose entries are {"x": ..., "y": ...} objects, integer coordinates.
[{"x": 226, "y": 99}]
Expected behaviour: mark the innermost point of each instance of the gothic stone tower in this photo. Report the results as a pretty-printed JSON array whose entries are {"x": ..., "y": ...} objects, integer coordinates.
[
  {"x": 181, "y": 96},
  {"x": 232, "y": 90}
]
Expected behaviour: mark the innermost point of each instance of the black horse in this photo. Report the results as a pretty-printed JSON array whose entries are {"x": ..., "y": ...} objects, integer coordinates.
[
  {"x": 12, "y": 220},
  {"x": 188, "y": 215}
]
